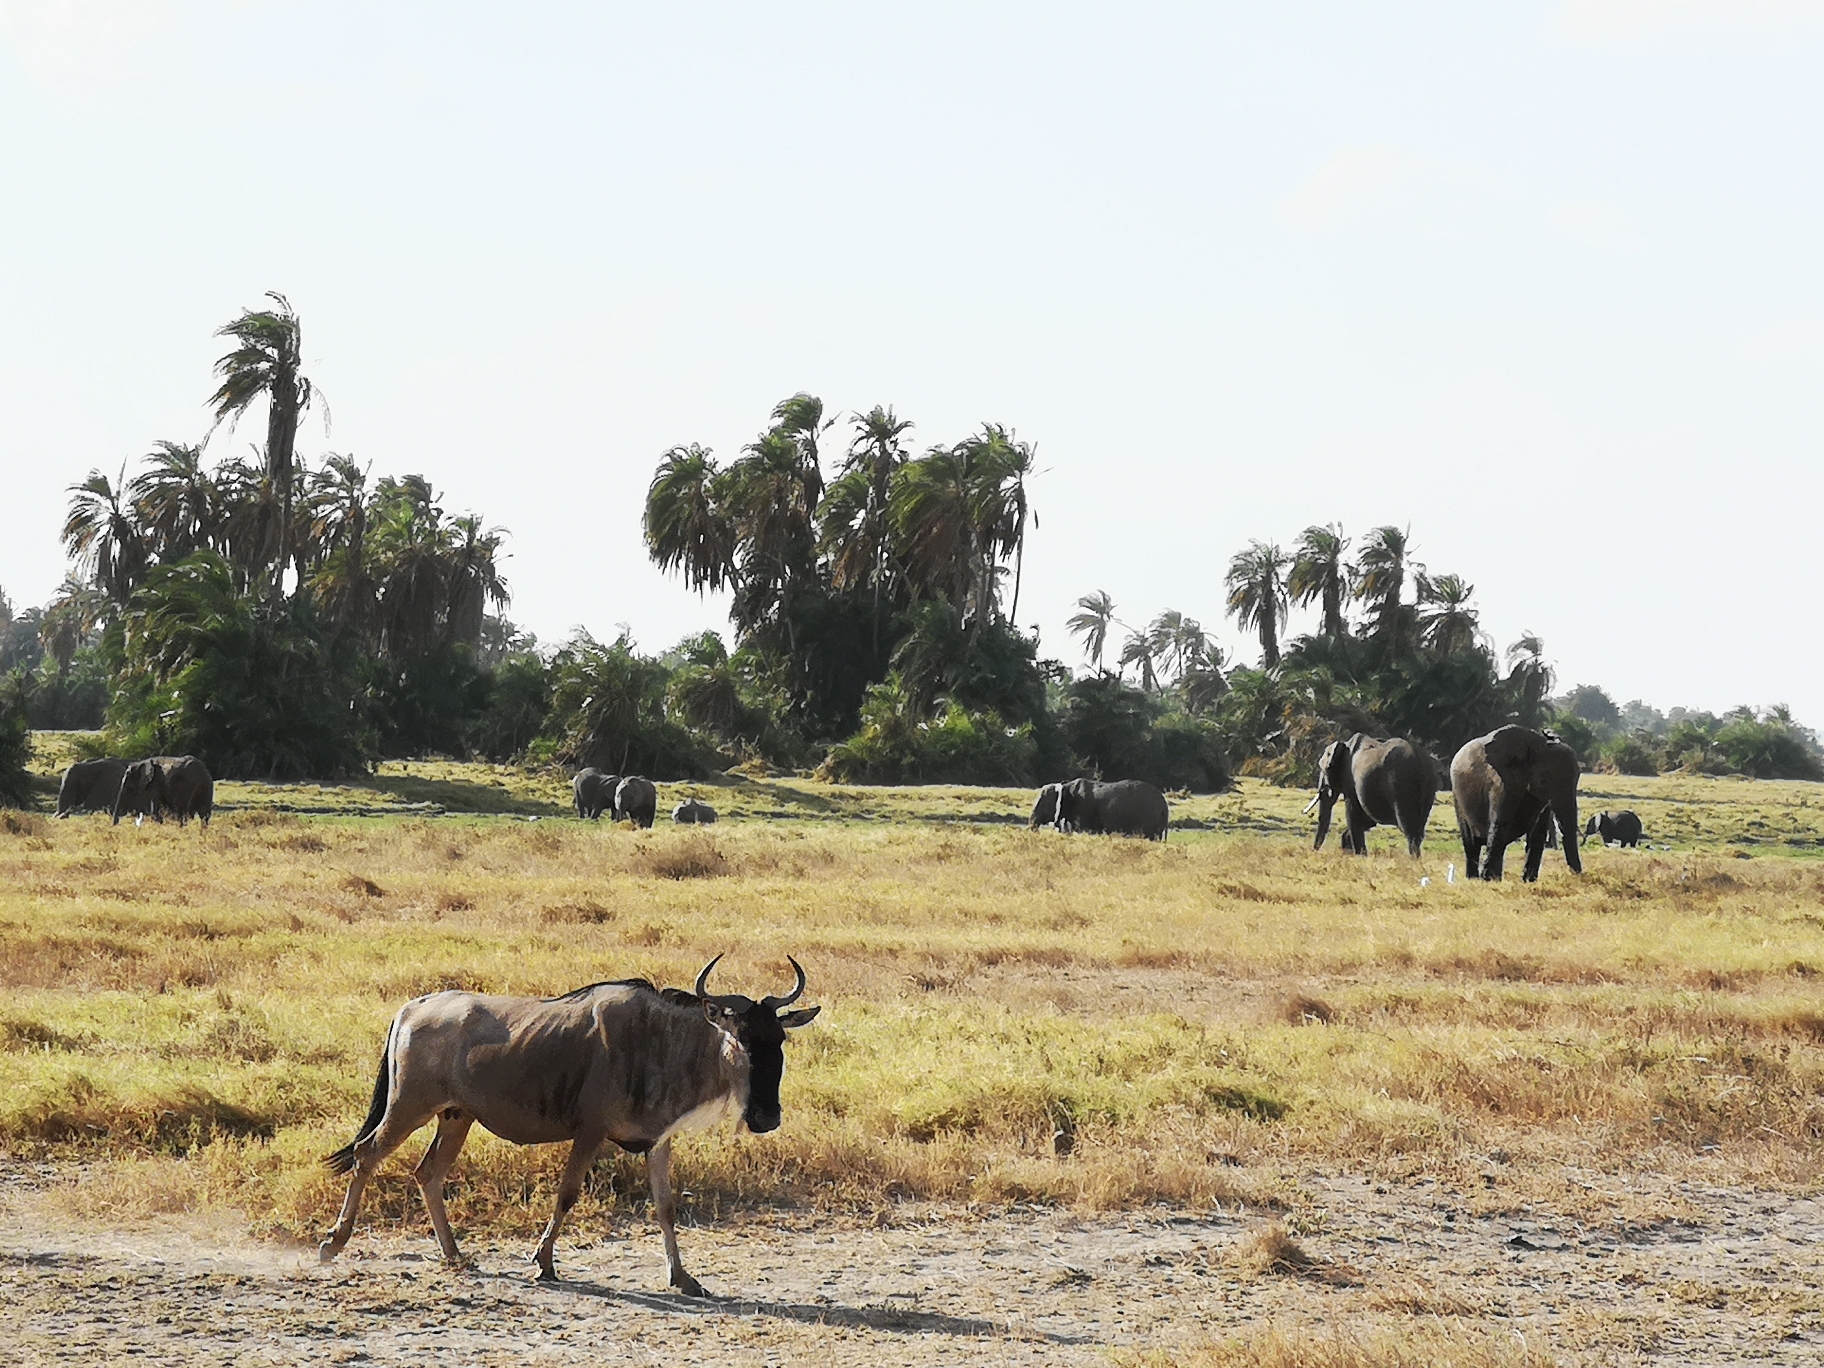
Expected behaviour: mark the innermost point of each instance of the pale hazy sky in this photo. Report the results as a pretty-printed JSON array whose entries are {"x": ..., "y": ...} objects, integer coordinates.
[{"x": 1541, "y": 280}]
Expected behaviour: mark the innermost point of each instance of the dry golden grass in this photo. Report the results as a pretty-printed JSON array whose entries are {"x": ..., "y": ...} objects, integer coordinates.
[
  {"x": 1420, "y": 1346},
  {"x": 205, "y": 1009}
]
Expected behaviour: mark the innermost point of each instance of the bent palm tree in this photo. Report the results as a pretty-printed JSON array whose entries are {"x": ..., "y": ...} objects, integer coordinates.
[
  {"x": 266, "y": 364},
  {"x": 1097, "y": 615},
  {"x": 1257, "y": 595},
  {"x": 1319, "y": 572}
]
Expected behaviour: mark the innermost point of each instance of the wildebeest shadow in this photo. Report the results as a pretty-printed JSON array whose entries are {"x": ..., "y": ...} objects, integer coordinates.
[{"x": 906, "y": 1321}]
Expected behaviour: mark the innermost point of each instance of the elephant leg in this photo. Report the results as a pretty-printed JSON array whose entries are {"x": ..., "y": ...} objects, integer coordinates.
[
  {"x": 1567, "y": 824},
  {"x": 1472, "y": 850},
  {"x": 1358, "y": 834},
  {"x": 1499, "y": 838},
  {"x": 1535, "y": 847}
]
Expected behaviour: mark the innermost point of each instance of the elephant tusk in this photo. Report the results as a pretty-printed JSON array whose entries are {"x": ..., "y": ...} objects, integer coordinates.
[{"x": 1313, "y": 803}]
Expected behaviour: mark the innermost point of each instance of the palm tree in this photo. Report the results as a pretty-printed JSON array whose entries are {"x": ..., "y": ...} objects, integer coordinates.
[
  {"x": 247, "y": 521},
  {"x": 931, "y": 510},
  {"x": 1000, "y": 465},
  {"x": 101, "y": 533},
  {"x": 1140, "y": 649},
  {"x": 266, "y": 364},
  {"x": 1380, "y": 576},
  {"x": 176, "y": 501},
  {"x": 408, "y": 540},
  {"x": 854, "y": 530},
  {"x": 337, "y": 510},
  {"x": 471, "y": 579},
  {"x": 1177, "y": 640},
  {"x": 1205, "y": 679},
  {"x": 1529, "y": 679},
  {"x": 1447, "y": 624},
  {"x": 1319, "y": 572},
  {"x": 686, "y": 527},
  {"x": 801, "y": 419},
  {"x": 1257, "y": 595},
  {"x": 771, "y": 495},
  {"x": 1092, "y": 623},
  {"x": 71, "y": 619}
]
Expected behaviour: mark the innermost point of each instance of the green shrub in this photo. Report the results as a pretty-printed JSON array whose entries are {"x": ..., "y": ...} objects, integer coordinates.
[
  {"x": 1632, "y": 755},
  {"x": 15, "y": 742},
  {"x": 895, "y": 746}
]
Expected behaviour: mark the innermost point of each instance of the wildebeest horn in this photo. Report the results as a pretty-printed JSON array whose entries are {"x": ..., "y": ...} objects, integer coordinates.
[
  {"x": 702, "y": 989},
  {"x": 1311, "y": 804},
  {"x": 774, "y": 1003}
]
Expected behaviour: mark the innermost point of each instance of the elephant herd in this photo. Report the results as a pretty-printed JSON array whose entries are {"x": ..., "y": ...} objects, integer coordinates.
[
  {"x": 1513, "y": 783},
  {"x": 630, "y": 798},
  {"x": 158, "y": 786}
]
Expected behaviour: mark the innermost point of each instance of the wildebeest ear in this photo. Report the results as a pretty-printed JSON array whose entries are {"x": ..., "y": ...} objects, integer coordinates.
[
  {"x": 715, "y": 1012},
  {"x": 801, "y": 1017}
]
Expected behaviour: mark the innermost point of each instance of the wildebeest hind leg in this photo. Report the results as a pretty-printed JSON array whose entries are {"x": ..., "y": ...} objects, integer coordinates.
[
  {"x": 658, "y": 1168},
  {"x": 392, "y": 1132},
  {"x": 569, "y": 1188},
  {"x": 452, "y": 1130}
]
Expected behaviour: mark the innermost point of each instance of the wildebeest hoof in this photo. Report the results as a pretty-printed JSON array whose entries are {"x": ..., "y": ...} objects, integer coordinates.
[
  {"x": 687, "y": 1285},
  {"x": 327, "y": 1251},
  {"x": 546, "y": 1273}
]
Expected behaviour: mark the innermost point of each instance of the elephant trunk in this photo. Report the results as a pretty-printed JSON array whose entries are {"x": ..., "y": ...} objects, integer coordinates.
[{"x": 1325, "y": 801}]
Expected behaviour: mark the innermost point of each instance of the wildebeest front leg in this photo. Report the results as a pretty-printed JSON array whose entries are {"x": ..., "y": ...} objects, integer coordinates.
[
  {"x": 452, "y": 1130},
  {"x": 658, "y": 1167},
  {"x": 582, "y": 1154}
]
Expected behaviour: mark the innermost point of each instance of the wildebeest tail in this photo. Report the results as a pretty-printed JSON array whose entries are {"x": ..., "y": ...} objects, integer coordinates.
[{"x": 343, "y": 1160}]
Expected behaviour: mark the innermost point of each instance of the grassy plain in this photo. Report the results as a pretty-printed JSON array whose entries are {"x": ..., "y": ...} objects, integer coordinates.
[{"x": 1195, "y": 1022}]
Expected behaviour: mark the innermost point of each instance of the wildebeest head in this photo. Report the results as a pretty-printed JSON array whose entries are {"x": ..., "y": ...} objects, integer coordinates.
[{"x": 759, "y": 1029}]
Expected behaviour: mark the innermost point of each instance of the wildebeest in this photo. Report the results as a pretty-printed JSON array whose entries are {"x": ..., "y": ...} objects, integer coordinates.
[
  {"x": 618, "y": 1061},
  {"x": 636, "y": 800},
  {"x": 692, "y": 812},
  {"x": 1622, "y": 828},
  {"x": 90, "y": 786},
  {"x": 178, "y": 784},
  {"x": 594, "y": 792}
]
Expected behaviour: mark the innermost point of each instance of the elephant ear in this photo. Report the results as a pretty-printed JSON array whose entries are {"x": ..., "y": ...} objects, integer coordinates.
[
  {"x": 1510, "y": 748},
  {"x": 1334, "y": 764}
]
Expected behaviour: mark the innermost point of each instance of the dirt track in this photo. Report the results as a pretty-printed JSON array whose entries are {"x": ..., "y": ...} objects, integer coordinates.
[{"x": 1741, "y": 1281}]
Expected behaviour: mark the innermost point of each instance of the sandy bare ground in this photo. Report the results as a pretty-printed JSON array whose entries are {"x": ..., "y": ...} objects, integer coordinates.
[{"x": 1739, "y": 1279}]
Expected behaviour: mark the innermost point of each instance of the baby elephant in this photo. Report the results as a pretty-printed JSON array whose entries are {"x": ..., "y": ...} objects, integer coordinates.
[
  {"x": 690, "y": 812},
  {"x": 1615, "y": 828}
]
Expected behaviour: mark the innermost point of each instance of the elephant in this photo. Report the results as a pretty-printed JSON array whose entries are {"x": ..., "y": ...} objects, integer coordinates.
[
  {"x": 636, "y": 800},
  {"x": 90, "y": 786},
  {"x": 1511, "y": 783},
  {"x": 1045, "y": 811},
  {"x": 1128, "y": 807},
  {"x": 1620, "y": 828},
  {"x": 691, "y": 812},
  {"x": 594, "y": 792},
  {"x": 179, "y": 784},
  {"x": 1388, "y": 782}
]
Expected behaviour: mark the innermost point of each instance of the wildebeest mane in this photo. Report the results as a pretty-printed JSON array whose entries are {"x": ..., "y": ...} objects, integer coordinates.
[
  {"x": 589, "y": 988},
  {"x": 677, "y": 997}
]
